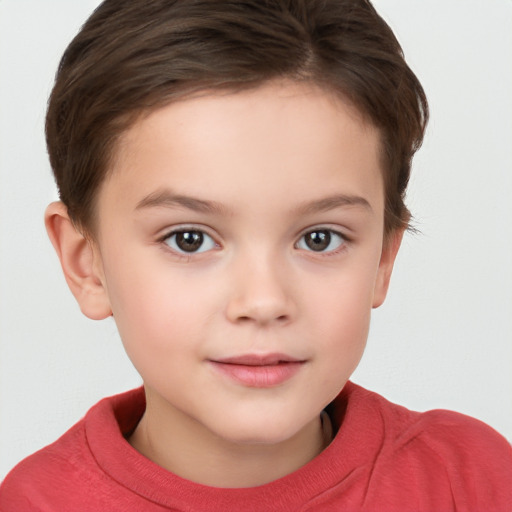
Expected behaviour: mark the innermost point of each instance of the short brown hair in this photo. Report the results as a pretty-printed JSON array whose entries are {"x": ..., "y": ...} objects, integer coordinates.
[{"x": 133, "y": 56}]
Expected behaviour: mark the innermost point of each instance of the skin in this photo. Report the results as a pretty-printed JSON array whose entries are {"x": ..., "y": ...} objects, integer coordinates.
[{"x": 263, "y": 168}]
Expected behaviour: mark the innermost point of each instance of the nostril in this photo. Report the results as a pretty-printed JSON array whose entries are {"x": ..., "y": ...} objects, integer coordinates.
[
  {"x": 261, "y": 308},
  {"x": 260, "y": 319}
]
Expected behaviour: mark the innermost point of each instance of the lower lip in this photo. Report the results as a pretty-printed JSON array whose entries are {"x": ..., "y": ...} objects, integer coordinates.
[{"x": 264, "y": 376}]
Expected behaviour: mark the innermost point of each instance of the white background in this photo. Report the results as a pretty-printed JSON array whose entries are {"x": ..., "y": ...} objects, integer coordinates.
[{"x": 444, "y": 337}]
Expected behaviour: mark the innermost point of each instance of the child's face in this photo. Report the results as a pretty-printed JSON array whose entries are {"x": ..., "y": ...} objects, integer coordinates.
[{"x": 240, "y": 247}]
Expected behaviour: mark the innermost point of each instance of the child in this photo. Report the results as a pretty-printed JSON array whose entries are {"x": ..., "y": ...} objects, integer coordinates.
[{"x": 232, "y": 177}]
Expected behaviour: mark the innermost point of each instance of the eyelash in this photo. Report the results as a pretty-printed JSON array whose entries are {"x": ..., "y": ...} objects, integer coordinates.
[
  {"x": 344, "y": 240},
  {"x": 184, "y": 230}
]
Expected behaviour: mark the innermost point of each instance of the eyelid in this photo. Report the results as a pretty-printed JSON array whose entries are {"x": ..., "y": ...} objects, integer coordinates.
[
  {"x": 339, "y": 233},
  {"x": 169, "y": 232},
  {"x": 178, "y": 228}
]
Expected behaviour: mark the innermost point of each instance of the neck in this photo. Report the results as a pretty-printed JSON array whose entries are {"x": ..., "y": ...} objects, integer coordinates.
[{"x": 183, "y": 446}]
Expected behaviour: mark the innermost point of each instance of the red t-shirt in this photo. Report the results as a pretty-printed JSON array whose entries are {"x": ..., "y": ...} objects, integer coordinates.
[{"x": 383, "y": 458}]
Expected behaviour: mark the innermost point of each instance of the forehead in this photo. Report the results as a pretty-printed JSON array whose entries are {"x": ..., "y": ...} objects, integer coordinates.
[{"x": 281, "y": 137}]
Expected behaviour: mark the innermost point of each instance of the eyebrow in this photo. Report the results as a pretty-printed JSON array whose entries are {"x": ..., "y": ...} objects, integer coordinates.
[
  {"x": 336, "y": 201},
  {"x": 167, "y": 199}
]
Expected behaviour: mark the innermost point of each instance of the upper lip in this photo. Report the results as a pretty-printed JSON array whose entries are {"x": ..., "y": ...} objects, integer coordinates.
[{"x": 258, "y": 359}]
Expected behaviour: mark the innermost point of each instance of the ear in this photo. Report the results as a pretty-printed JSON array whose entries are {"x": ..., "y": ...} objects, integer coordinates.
[
  {"x": 387, "y": 260},
  {"x": 80, "y": 261}
]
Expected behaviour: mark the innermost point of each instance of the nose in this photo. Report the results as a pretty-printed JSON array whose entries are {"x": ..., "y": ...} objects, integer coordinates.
[{"x": 261, "y": 292}]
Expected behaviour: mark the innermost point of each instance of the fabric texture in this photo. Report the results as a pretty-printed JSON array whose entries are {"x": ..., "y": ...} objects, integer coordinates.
[{"x": 383, "y": 458}]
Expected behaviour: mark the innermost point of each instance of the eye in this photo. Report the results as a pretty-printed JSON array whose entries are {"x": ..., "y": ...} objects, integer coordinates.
[
  {"x": 321, "y": 240},
  {"x": 190, "y": 241}
]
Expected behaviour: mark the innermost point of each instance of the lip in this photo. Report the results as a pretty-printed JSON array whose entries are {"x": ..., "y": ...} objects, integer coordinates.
[{"x": 258, "y": 370}]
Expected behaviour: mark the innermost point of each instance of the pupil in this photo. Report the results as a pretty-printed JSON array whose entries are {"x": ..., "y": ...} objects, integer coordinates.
[
  {"x": 189, "y": 241},
  {"x": 318, "y": 240}
]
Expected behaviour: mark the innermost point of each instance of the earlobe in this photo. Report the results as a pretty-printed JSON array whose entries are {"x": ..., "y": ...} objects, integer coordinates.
[
  {"x": 80, "y": 262},
  {"x": 387, "y": 260}
]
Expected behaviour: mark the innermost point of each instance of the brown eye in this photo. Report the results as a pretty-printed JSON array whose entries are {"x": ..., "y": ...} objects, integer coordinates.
[
  {"x": 321, "y": 240},
  {"x": 190, "y": 241},
  {"x": 318, "y": 240}
]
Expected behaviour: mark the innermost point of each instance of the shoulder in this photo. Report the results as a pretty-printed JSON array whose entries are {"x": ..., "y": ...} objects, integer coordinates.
[
  {"x": 458, "y": 442},
  {"x": 442, "y": 449},
  {"x": 476, "y": 458},
  {"x": 448, "y": 433},
  {"x": 55, "y": 465},
  {"x": 443, "y": 430},
  {"x": 62, "y": 474}
]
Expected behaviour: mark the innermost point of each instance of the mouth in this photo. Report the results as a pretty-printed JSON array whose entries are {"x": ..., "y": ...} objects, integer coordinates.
[{"x": 258, "y": 371}]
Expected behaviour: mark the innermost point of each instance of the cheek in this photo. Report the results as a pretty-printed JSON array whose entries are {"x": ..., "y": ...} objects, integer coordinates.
[
  {"x": 341, "y": 314},
  {"x": 342, "y": 333},
  {"x": 156, "y": 311}
]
